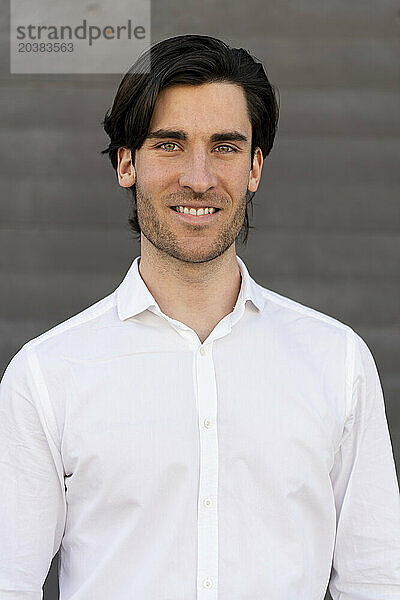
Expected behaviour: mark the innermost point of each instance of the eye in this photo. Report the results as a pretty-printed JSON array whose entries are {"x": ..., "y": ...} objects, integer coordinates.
[
  {"x": 164, "y": 145},
  {"x": 229, "y": 148}
]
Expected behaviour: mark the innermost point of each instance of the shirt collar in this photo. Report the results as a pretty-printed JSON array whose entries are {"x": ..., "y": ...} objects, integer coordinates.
[{"x": 133, "y": 296}]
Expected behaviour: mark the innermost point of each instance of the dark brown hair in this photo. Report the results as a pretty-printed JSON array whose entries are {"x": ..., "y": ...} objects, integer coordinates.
[{"x": 190, "y": 60}]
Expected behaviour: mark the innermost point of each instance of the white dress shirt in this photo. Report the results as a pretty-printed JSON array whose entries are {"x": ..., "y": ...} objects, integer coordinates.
[{"x": 242, "y": 468}]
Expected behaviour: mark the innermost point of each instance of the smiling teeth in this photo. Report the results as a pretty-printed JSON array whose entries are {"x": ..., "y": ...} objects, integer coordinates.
[{"x": 193, "y": 211}]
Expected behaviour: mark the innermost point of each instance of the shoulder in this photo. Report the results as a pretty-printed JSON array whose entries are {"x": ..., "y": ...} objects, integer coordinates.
[
  {"x": 293, "y": 310},
  {"x": 73, "y": 332},
  {"x": 312, "y": 328}
]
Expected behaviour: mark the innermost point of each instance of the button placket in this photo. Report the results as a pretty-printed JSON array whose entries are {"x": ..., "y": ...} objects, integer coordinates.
[{"x": 207, "y": 574}]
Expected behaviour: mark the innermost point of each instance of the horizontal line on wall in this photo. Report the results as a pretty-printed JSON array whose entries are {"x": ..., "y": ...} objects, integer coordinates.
[{"x": 376, "y": 234}]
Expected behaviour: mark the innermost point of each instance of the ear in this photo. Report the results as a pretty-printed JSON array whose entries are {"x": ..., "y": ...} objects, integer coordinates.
[
  {"x": 255, "y": 173},
  {"x": 125, "y": 169}
]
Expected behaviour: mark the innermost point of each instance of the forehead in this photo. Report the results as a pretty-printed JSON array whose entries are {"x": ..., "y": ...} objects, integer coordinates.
[{"x": 208, "y": 107}]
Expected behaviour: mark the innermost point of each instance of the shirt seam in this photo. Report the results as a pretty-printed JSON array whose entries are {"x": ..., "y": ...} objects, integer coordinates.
[
  {"x": 349, "y": 377},
  {"x": 42, "y": 390}
]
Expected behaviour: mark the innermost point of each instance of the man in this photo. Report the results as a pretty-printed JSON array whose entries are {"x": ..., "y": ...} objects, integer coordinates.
[{"x": 194, "y": 435}]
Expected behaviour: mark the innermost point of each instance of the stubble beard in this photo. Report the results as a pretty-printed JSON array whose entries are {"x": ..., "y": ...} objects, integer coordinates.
[{"x": 164, "y": 237}]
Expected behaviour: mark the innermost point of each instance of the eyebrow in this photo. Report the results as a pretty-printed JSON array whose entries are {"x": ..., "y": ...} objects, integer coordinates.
[{"x": 178, "y": 134}]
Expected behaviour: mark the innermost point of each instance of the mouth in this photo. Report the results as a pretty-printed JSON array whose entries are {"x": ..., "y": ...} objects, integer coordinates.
[{"x": 201, "y": 219}]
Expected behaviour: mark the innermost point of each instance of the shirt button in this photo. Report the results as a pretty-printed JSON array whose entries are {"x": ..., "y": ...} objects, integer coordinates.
[
  {"x": 207, "y": 502},
  {"x": 207, "y": 423},
  {"x": 202, "y": 350},
  {"x": 207, "y": 583}
]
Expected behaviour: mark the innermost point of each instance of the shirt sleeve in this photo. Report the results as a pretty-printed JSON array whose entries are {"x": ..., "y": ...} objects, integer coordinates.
[
  {"x": 32, "y": 496},
  {"x": 366, "y": 558}
]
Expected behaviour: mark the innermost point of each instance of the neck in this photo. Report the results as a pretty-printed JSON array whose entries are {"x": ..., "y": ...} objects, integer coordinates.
[{"x": 196, "y": 294}]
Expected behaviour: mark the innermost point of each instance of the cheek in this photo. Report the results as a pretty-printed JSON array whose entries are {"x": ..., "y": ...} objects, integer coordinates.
[
  {"x": 157, "y": 177},
  {"x": 234, "y": 178},
  {"x": 152, "y": 172}
]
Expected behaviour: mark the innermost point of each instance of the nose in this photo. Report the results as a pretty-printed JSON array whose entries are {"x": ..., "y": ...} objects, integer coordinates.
[{"x": 197, "y": 173}]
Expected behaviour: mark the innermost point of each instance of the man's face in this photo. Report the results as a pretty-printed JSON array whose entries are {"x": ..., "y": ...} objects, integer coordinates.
[{"x": 197, "y": 154}]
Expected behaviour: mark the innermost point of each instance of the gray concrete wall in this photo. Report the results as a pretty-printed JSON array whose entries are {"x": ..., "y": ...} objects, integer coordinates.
[{"x": 327, "y": 213}]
